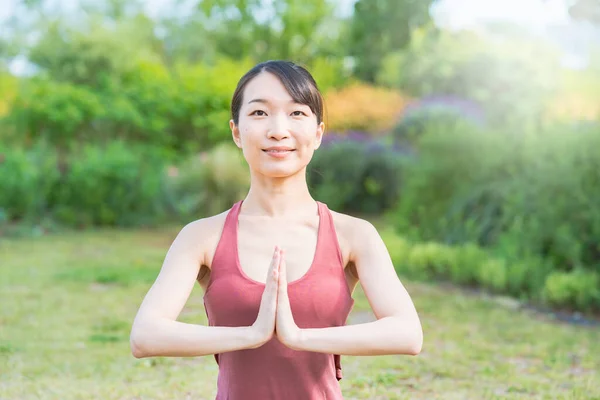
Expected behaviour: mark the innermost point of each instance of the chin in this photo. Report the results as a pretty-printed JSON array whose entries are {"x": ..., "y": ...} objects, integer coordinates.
[{"x": 280, "y": 171}]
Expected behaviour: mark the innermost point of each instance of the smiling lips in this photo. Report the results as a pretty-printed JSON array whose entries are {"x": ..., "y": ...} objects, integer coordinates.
[{"x": 279, "y": 151}]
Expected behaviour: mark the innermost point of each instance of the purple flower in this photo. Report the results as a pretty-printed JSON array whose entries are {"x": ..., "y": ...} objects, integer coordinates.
[
  {"x": 466, "y": 108},
  {"x": 350, "y": 136}
]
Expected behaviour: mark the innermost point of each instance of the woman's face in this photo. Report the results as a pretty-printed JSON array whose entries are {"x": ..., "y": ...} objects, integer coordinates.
[{"x": 277, "y": 136}]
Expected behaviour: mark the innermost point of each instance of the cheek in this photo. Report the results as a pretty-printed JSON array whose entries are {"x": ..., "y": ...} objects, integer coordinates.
[{"x": 250, "y": 133}]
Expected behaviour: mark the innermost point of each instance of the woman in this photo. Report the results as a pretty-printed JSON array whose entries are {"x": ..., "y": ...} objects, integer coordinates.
[{"x": 278, "y": 268}]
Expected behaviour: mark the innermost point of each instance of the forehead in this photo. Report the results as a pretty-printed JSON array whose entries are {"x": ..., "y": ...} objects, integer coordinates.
[{"x": 266, "y": 86}]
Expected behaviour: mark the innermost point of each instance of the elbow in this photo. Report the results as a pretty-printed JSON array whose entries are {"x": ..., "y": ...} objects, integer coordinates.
[
  {"x": 138, "y": 343},
  {"x": 410, "y": 343},
  {"x": 136, "y": 349},
  {"x": 416, "y": 344},
  {"x": 415, "y": 349}
]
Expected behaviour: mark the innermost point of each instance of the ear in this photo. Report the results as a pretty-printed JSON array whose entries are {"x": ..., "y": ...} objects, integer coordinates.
[
  {"x": 319, "y": 137},
  {"x": 235, "y": 133}
]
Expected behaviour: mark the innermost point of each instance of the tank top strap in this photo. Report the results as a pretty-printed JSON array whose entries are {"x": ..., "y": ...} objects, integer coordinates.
[
  {"x": 328, "y": 239},
  {"x": 224, "y": 258}
]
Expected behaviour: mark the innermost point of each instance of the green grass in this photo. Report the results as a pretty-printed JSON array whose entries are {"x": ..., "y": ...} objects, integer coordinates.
[{"x": 68, "y": 300}]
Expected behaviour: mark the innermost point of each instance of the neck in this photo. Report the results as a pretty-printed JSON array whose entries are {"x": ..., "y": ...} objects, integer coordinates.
[{"x": 278, "y": 197}]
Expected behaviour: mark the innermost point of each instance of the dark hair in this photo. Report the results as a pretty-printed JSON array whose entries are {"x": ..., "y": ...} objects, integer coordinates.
[{"x": 297, "y": 81}]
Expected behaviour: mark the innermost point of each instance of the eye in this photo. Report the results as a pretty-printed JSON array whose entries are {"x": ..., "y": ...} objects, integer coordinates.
[
  {"x": 258, "y": 113},
  {"x": 299, "y": 113}
]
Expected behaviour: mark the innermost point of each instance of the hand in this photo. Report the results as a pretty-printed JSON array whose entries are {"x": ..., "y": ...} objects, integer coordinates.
[
  {"x": 287, "y": 331},
  {"x": 264, "y": 326}
]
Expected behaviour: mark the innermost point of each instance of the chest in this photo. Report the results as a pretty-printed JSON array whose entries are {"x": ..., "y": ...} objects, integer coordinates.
[{"x": 256, "y": 241}]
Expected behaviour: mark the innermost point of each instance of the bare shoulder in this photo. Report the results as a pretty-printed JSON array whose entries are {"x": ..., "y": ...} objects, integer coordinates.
[
  {"x": 202, "y": 236},
  {"x": 353, "y": 232},
  {"x": 352, "y": 227}
]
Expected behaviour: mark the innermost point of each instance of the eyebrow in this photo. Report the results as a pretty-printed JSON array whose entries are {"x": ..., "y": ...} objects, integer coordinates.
[{"x": 267, "y": 101}]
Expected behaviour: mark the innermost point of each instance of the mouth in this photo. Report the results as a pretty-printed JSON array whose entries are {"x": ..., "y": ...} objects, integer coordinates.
[{"x": 278, "y": 150}]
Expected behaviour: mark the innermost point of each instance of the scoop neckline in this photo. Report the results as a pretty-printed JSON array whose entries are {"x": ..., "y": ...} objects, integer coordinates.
[{"x": 237, "y": 253}]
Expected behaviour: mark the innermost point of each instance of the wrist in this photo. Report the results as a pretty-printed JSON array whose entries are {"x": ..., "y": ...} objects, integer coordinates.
[
  {"x": 255, "y": 337},
  {"x": 298, "y": 340}
]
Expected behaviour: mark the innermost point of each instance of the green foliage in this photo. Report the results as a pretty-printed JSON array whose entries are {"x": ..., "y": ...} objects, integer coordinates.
[
  {"x": 113, "y": 185},
  {"x": 577, "y": 289},
  {"x": 282, "y": 29},
  {"x": 471, "y": 265},
  {"x": 527, "y": 196},
  {"x": 208, "y": 183},
  {"x": 329, "y": 73},
  {"x": 381, "y": 27},
  {"x": 27, "y": 177},
  {"x": 352, "y": 175},
  {"x": 181, "y": 111},
  {"x": 54, "y": 111},
  {"x": 419, "y": 118},
  {"x": 8, "y": 90},
  {"x": 98, "y": 57}
]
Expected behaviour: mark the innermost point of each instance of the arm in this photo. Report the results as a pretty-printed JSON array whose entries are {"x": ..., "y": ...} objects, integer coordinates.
[
  {"x": 156, "y": 332},
  {"x": 397, "y": 329}
]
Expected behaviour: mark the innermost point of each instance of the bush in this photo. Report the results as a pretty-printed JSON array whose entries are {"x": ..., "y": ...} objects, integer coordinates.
[
  {"x": 8, "y": 91},
  {"x": 471, "y": 265},
  {"x": 208, "y": 183},
  {"x": 438, "y": 113},
  {"x": 526, "y": 196},
  {"x": 113, "y": 185},
  {"x": 27, "y": 178},
  {"x": 185, "y": 110},
  {"x": 364, "y": 108},
  {"x": 55, "y": 112},
  {"x": 353, "y": 173},
  {"x": 464, "y": 265},
  {"x": 577, "y": 289}
]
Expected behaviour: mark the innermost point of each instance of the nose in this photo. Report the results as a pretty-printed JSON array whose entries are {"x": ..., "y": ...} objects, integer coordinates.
[{"x": 278, "y": 128}]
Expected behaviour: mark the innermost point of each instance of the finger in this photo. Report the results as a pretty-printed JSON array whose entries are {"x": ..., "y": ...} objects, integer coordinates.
[
  {"x": 276, "y": 259},
  {"x": 273, "y": 272},
  {"x": 283, "y": 273}
]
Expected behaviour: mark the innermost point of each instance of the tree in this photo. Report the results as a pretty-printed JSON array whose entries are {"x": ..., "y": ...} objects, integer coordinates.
[
  {"x": 379, "y": 27},
  {"x": 287, "y": 29},
  {"x": 96, "y": 56}
]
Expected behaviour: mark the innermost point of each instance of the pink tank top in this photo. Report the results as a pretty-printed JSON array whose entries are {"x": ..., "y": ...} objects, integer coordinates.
[{"x": 318, "y": 299}]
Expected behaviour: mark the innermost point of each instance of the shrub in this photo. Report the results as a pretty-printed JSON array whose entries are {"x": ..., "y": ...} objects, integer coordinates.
[
  {"x": 493, "y": 275},
  {"x": 362, "y": 108},
  {"x": 526, "y": 196},
  {"x": 112, "y": 185},
  {"x": 208, "y": 183},
  {"x": 8, "y": 91},
  {"x": 577, "y": 289},
  {"x": 184, "y": 110},
  {"x": 436, "y": 112},
  {"x": 54, "y": 111},
  {"x": 429, "y": 260},
  {"x": 27, "y": 178},
  {"x": 355, "y": 174},
  {"x": 329, "y": 73}
]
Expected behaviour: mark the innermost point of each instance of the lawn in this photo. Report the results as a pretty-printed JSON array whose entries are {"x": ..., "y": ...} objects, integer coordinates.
[{"x": 68, "y": 301}]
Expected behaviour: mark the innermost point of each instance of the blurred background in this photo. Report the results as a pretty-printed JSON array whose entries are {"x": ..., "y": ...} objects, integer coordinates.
[{"x": 467, "y": 131}]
